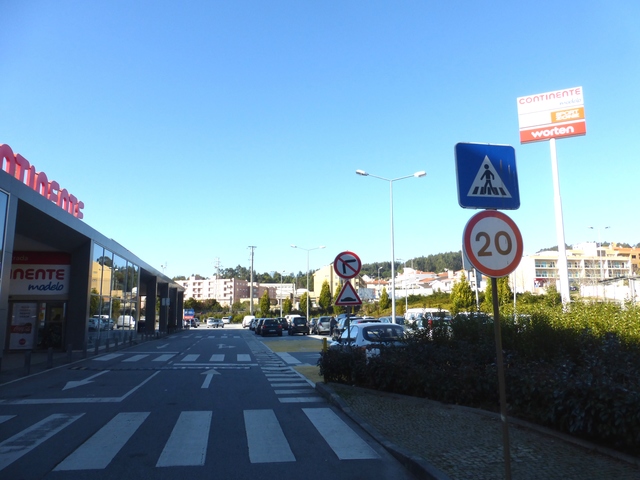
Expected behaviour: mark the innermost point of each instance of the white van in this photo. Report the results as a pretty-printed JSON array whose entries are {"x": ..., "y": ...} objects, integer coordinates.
[
  {"x": 246, "y": 321},
  {"x": 126, "y": 321}
]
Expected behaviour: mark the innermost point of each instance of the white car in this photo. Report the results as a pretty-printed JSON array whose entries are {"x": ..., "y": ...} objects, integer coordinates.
[
  {"x": 367, "y": 334},
  {"x": 214, "y": 323},
  {"x": 246, "y": 321},
  {"x": 126, "y": 321},
  {"x": 226, "y": 319}
]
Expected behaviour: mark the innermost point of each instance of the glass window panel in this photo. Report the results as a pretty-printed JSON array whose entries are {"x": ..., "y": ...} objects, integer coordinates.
[{"x": 119, "y": 277}]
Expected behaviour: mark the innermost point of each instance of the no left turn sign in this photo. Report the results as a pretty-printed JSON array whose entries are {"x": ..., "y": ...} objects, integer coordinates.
[
  {"x": 493, "y": 243},
  {"x": 347, "y": 265}
]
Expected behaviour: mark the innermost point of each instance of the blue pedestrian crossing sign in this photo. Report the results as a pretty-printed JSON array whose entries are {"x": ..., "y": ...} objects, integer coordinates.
[{"x": 487, "y": 176}]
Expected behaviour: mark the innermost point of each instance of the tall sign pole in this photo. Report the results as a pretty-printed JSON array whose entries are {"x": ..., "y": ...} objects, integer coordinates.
[
  {"x": 547, "y": 116},
  {"x": 491, "y": 241}
]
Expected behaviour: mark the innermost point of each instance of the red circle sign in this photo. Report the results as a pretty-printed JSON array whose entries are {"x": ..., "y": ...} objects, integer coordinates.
[
  {"x": 347, "y": 265},
  {"x": 493, "y": 243}
]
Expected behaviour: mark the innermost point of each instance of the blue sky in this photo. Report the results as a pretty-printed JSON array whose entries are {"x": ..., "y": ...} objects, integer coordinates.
[{"x": 192, "y": 130}]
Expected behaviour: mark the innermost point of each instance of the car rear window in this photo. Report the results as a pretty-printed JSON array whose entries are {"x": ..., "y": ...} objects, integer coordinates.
[
  {"x": 299, "y": 321},
  {"x": 382, "y": 333},
  {"x": 269, "y": 322}
]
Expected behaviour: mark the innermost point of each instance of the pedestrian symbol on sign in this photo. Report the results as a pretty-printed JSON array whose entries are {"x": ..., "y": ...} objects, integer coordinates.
[{"x": 488, "y": 182}]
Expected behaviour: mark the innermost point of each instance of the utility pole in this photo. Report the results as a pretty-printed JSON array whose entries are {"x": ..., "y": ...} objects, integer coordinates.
[{"x": 252, "y": 247}]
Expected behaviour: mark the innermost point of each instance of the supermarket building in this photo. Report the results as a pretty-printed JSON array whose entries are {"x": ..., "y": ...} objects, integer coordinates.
[{"x": 62, "y": 283}]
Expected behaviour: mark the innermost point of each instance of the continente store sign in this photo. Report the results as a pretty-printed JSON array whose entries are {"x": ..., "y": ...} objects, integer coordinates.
[
  {"x": 557, "y": 114},
  {"x": 40, "y": 273},
  {"x": 19, "y": 167}
]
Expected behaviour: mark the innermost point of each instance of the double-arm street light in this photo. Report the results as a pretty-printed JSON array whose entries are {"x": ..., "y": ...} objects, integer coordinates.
[
  {"x": 419, "y": 174},
  {"x": 307, "y": 250}
]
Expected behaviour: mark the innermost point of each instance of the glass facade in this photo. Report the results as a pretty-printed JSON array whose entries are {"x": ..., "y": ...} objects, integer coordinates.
[
  {"x": 4, "y": 202},
  {"x": 114, "y": 304}
]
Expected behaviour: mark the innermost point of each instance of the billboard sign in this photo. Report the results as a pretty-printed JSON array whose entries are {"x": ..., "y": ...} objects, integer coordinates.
[{"x": 557, "y": 114}]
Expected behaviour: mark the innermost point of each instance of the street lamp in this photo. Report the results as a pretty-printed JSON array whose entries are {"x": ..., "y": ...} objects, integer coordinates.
[
  {"x": 307, "y": 250},
  {"x": 419, "y": 174}
]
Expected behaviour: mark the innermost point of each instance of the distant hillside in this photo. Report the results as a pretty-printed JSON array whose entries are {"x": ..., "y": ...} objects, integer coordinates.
[{"x": 437, "y": 263}]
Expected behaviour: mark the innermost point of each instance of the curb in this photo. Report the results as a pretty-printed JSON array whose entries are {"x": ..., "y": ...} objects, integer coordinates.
[{"x": 414, "y": 464}]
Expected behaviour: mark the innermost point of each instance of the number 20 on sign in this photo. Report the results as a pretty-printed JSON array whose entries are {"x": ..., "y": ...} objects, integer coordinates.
[{"x": 493, "y": 243}]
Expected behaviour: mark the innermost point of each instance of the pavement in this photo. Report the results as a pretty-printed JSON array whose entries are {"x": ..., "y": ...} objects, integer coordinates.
[{"x": 433, "y": 440}]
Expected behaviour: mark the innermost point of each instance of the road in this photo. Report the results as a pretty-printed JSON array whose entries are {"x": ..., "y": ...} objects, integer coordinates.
[{"x": 208, "y": 403}]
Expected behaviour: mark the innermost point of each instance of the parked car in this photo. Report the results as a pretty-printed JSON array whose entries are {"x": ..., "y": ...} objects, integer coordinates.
[
  {"x": 323, "y": 325},
  {"x": 246, "y": 321},
  {"x": 126, "y": 321},
  {"x": 368, "y": 335},
  {"x": 283, "y": 322},
  {"x": 270, "y": 326},
  {"x": 253, "y": 324},
  {"x": 226, "y": 319},
  {"x": 258, "y": 327},
  {"x": 195, "y": 323},
  {"x": 214, "y": 323},
  {"x": 312, "y": 324},
  {"x": 399, "y": 320},
  {"x": 299, "y": 325}
]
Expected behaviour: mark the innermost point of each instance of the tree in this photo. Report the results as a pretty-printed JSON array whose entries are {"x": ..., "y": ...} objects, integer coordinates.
[
  {"x": 287, "y": 306},
  {"x": 265, "y": 304},
  {"x": 325, "y": 297},
  {"x": 303, "y": 302},
  {"x": 337, "y": 309},
  {"x": 385, "y": 301},
  {"x": 504, "y": 294},
  {"x": 462, "y": 298}
]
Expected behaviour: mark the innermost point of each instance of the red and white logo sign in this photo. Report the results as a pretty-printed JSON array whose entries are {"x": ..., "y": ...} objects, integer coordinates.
[
  {"x": 347, "y": 265},
  {"x": 549, "y": 115},
  {"x": 493, "y": 243},
  {"x": 348, "y": 296}
]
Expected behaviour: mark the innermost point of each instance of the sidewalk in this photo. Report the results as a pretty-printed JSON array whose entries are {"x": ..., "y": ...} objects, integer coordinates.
[{"x": 439, "y": 441}]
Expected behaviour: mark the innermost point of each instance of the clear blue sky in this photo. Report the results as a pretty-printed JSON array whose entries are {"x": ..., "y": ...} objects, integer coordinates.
[{"x": 194, "y": 129}]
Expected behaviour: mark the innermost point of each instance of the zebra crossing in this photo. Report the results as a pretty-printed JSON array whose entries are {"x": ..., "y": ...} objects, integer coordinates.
[
  {"x": 128, "y": 357},
  {"x": 187, "y": 445}
]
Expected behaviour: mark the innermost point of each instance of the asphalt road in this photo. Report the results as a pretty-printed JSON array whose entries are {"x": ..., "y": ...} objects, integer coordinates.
[{"x": 207, "y": 403}]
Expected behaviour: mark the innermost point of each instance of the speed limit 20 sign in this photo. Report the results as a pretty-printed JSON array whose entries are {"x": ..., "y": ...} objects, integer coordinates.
[{"x": 493, "y": 243}]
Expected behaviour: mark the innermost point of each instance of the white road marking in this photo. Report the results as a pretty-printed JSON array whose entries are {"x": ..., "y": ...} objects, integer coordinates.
[
  {"x": 4, "y": 418},
  {"x": 164, "y": 357},
  {"x": 86, "y": 381},
  {"x": 187, "y": 444},
  {"x": 98, "y": 451},
  {"x": 288, "y": 358},
  {"x": 135, "y": 358},
  {"x": 107, "y": 357},
  {"x": 345, "y": 443},
  {"x": 192, "y": 357},
  {"x": 244, "y": 357},
  {"x": 22, "y": 443},
  {"x": 266, "y": 440},
  {"x": 300, "y": 399},
  {"x": 217, "y": 357}
]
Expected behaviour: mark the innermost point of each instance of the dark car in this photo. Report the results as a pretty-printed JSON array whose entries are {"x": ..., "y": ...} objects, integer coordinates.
[
  {"x": 299, "y": 325},
  {"x": 258, "y": 329},
  {"x": 283, "y": 321},
  {"x": 270, "y": 326}
]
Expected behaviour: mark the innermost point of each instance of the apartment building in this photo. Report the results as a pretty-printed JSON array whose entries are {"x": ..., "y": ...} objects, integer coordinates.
[{"x": 595, "y": 270}]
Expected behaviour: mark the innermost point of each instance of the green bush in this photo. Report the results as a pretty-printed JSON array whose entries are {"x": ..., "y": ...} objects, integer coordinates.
[{"x": 577, "y": 371}]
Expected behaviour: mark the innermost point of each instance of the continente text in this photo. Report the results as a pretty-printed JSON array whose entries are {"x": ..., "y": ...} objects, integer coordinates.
[{"x": 19, "y": 167}]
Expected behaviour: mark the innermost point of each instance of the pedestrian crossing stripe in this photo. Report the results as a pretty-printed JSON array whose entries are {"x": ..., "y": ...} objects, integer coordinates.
[
  {"x": 488, "y": 183},
  {"x": 187, "y": 445}
]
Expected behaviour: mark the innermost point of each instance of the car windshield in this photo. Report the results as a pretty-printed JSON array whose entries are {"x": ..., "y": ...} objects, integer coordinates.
[{"x": 382, "y": 333}]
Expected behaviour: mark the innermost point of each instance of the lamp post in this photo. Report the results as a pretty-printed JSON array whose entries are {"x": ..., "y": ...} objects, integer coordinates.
[
  {"x": 307, "y": 250},
  {"x": 281, "y": 294},
  {"x": 419, "y": 174}
]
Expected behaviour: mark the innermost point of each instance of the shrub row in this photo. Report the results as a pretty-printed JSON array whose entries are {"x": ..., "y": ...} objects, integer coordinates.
[{"x": 576, "y": 371}]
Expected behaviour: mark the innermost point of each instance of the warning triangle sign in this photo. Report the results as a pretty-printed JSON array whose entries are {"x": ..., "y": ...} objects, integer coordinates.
[
  {"x": 348, "y": 296},
  {"x": 488, "y": 183}
]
